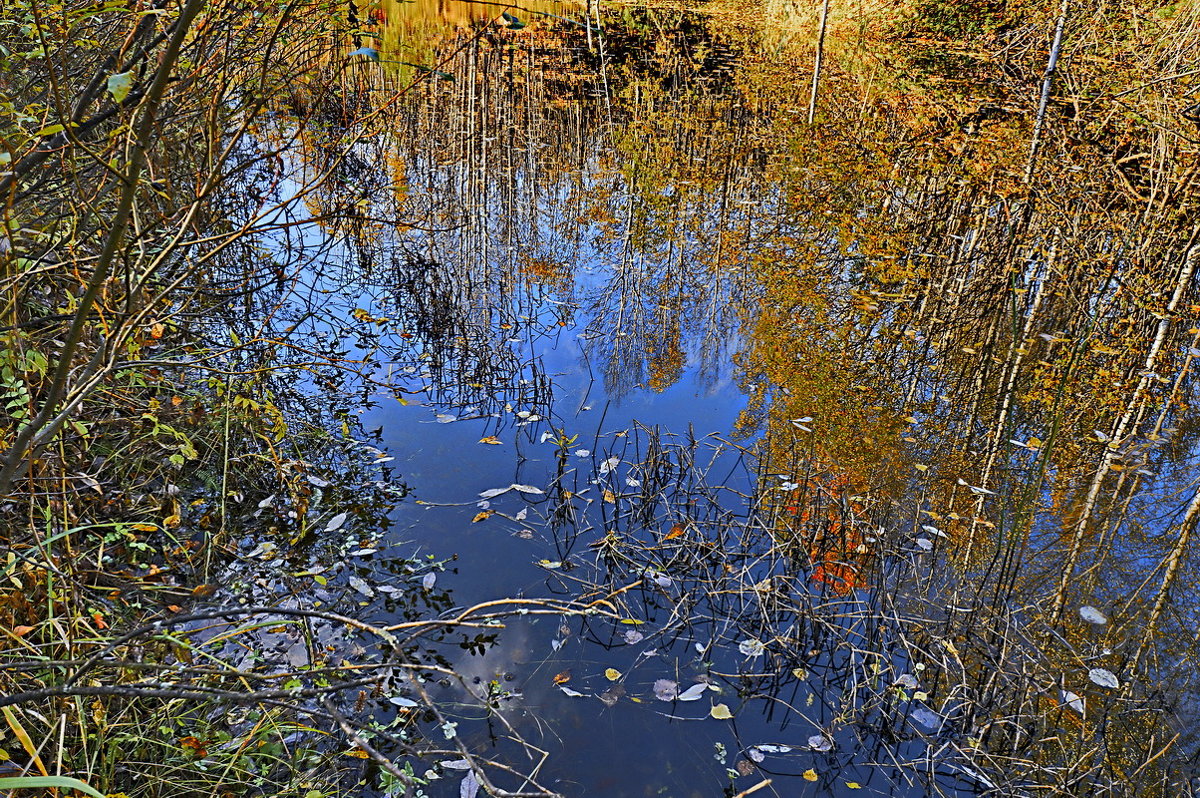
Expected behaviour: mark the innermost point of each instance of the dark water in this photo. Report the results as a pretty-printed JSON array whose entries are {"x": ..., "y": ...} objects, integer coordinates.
[{"x": 784, "y": 398}]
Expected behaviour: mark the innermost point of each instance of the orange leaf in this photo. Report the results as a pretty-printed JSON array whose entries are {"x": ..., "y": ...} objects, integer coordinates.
[
  {"x": 195, "y": 745},
  {"x": 21, "y": 631},
  {"x": 676, "y": 532},
  {"x": 843, "y": 578},
  {"x": 562, "y": 678},
  {"x": 483, "y": 516}
]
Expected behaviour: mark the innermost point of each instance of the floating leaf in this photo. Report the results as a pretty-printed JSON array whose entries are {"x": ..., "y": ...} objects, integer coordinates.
[
  {"x": 562, "y": 677},
  {"x": 361, "y": 587},
  {"x": 492, "y": 493},
  {"x": 469, "y": 786},
  {"x": 491, "y": 440},
  {"x": 666, "y": 690},
  {"x": 720, "y": 712},
  {"x": 1104, "y": 678},
  {"x": 927, "y": 718},
  {"x": 1073, "y": 700},
  {"x": 694, "y": 693},
  {"x": 527, "y": 489},
  {"x": 401, "y": 701},
  {"x": 429, "y": 580},
  {"x": 609, "y": 496},
  {"x": 443, "y": 418},
  {"x": 612, "y": 674},
  {"x": 854, "y": 785},
  {"x": 819, "y": 742},
  {"x": 677, "y": 531},
  {"x": 569, "y": 692},
  {"x": 907, "y": 681},
  {"x": 612, "y": 695},
  {"x": 483, "y": 516},
  {"x": 119, "y": 85},
  {"x": 810, "y": 775},
  {"x": 772, "y": 748},
  {"x": 755, "y": 755},
  {"x": 752, "y": 648},
  {"x": 1092, "y": 615},
  {"x": 608, "y": 465},
  {"x": 632, "y": 636},
  {"x": 336, "y": 522}
]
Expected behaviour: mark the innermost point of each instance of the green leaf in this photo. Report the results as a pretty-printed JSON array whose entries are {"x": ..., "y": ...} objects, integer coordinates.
[
  {"x": 45, "y": 782},
  {"x": 119, "y": 85},
  {"x": 50, "y": 130}
]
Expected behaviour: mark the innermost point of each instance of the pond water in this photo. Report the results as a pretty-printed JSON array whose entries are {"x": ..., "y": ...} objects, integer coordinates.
[{"x": 850, "y": 432}]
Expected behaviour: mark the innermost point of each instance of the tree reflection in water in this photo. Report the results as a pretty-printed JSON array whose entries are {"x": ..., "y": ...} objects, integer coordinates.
[{"x": 967, "y": 396}]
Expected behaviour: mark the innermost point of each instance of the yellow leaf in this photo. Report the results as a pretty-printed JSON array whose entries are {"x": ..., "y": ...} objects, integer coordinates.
[
  {"x": 612, "y": 674},
  {"x": 358, "y": 753},
  {"x": 483, "y": 516},
  {"x": 491, "y": 439},
  {"x": 720, "y": 712},
  {"x": 26, "y": 740},
  {"x": 920, "y": 466},
  {"x": 854, "y": 785},
  {"x": 609, "y": 496},
  {"x": 810, "y": 775},
  {"x": 632, "y": 621}
]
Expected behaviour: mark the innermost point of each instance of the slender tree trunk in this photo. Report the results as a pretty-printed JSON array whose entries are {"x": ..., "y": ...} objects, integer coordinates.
[
  {"x": 1047, "y": 81},
  {"x": 1187, "y": 270},
  {"x": 812, "y": 100}
]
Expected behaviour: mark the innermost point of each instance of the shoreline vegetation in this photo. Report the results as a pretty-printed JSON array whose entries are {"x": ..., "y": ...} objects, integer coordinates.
[{"x": 981, "y": 265}]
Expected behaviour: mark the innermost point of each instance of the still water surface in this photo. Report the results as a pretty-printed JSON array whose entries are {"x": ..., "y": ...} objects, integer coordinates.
[{"x": 846, "y": 424}]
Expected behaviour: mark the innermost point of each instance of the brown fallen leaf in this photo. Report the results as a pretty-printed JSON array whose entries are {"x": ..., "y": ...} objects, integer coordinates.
[
  {"x": 612, "y": 695},
  {"x": 562, "y": 678}
]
